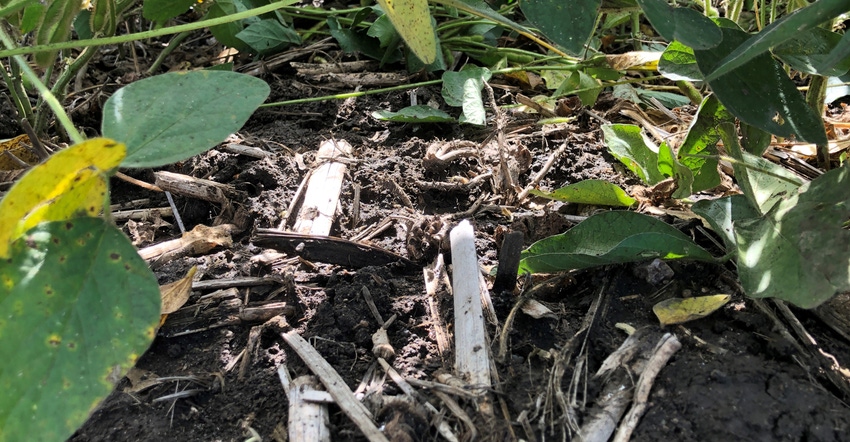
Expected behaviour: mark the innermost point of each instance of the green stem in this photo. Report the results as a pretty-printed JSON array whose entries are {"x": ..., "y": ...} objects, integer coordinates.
[
  {"x": 816, "y": 99},
  {"x": 687, "y": 88},
  {"x": 46, "y": 95},
  {"x": 75, "y": 44},
  {"x": 61, "y": 84},
  {"x": 172, "y": 45},
  {"x": 17, "y": 92},
  {"x": 352, "y": 94}
]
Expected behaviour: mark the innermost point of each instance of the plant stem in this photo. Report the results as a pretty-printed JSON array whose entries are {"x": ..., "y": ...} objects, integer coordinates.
[
  {"x": 75, "y": 44},
  {"x": 17, "y": 92},
  {"x": 815, "y": 98},
  {"x": 45, "y": 93},
  {"x": 61, "y": 84},
  {"x": 172, "y": 45},
  {"x": 352, "y": 94}
]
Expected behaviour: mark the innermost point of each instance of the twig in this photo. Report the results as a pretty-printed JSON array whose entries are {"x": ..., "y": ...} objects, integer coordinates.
[{"x": 336, "y": 386}]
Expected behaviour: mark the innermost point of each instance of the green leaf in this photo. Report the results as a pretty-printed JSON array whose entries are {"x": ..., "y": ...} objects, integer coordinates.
[
  {"x": 351, "y": 41},
  {"x": 670, "y": 166},
  {"x": 595, "y": 192},
  {"x": 629, "y": 145},
  {"x": 55, "y": 27},
  {"x": 840, "y": 52},
  {"x": 678, "y": 63},
  {"x": 79, "y": 308},
  {"x": 754, "y": 140},
  {"x": 800, "y": 251},
  {"x": 268, "y": 36},
  {"x": 159, "y": 128},
  {"x": 9, "y": 7},
  {"x": 584, "y": 86},
  {"x": 567, "y": 24},
  {"x": 810, "y": 51},
  {"x": 682, "y": 24},
  {"x": 226, "y": 33},
  {"x": 32, "y": 14},
  {"x": 699, "y": 149},
  {"x": 744, "y": 50},
  {"x": 463, "y": 89},
  {"x": 162, "y": 10},
  {"x": 722, "y": 214},
  {"x": 760, "y": 93},
  {"x": 837, "y": 87},
  {"x": 763, "y": 182},
  {"x": 414, "y": 114},
  {"x": 383, "y": 30},
  {"x": 610, "y": 238}
]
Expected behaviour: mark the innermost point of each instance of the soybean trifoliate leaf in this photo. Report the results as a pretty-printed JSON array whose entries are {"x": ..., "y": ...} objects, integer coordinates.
[
  {"x": 799, "y": 251},
  {"x": 194, "y": 112},
  {"x": 680, "y": 310},
  {"x": 412, "y": 20},
  {"x": 72, "y": 182},
  {"x": 79, "y": 307},
  {"x": 610, "y": 238},
  {"x": 597, "y": 192}
]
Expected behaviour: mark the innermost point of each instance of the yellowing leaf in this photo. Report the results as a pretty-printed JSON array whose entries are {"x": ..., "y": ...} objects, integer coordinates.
[
  {"x": 412, "y": 20},
  {"x": 175, "y": 294},
  {"x": 70, "y": 183},
  {"x": 679, "y": 310}
]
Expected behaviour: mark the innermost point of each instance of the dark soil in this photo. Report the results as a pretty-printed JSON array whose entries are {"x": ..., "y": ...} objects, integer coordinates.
[{"x": 737, "y": 376}]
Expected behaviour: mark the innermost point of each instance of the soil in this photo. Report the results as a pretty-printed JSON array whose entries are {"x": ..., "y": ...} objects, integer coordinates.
[{"x": 738, "y": 375}]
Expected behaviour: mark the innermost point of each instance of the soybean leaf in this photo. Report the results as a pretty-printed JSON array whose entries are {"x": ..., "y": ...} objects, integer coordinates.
[
  {"x": 610, "y": 238},
  {"x": 800, "y": 251},
  {"x": 810, "y": 51},
  {"x": 680, "y": 310},
  {"x": 760, "y": 93},
  {"x": 71, "y": 183},
  {"x": 226, "y": 33},
  {"x": 629, "y": 145},
  {"x": 670, "y": 166},
  {"x": 763, "y": 182},
  {"x": 682, "y": 24},
  {"x": 699, "y": 149},
  {"x": 596, "y": 192},
  {"x": 193, "y": 112},
  {"x": 162, "y": 10},
  {"x": 414, "y": 114},
  {"x": 840, "y": 52},
  {"x": 837, "y": 87},
  {"x": 748, "y": 49},
  {"x": 268, "y": 36},
  {"x": 412, "y": 20},
  {"x": 722, "y": 214},
  {"x": 55, "y": 27},
  {"x": 359, "y": 41},
  {"x": 79, "y": 308},
  {"x": 678, "y": 63},
  {"x": 567, "y": 24},
  {"x": 463, "y": 89}
]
